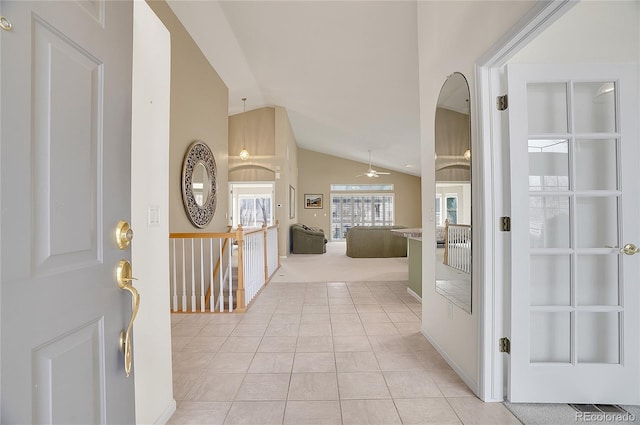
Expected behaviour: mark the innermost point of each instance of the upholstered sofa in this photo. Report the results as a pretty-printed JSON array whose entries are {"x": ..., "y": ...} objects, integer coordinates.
[
  {"x": 307, "y": 240},
  {"x": 375, "y": 242}
]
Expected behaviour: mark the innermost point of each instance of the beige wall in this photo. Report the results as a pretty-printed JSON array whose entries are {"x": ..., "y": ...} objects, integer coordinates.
[
  {"x": 287, "y": 155},
  {"x": 318, "y": 171},
  {"x": 273, "y": 157},
  {"x": 199, "y": 111},
  {"x": 255, "y": 130}
]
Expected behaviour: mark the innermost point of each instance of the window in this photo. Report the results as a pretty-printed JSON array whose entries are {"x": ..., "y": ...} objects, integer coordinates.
[
  {"x": 361, "y": 187},
  {"x": 254, "y": 210},
  {"x": 252, "y": 204},
  {"x": 438, "y": 210},
  {"x": 348, "y": 210},
  {"x": 452, "y": 208}
]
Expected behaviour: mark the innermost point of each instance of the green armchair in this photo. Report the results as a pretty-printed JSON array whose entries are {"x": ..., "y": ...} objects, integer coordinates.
[{"x": 307, "y": 240}]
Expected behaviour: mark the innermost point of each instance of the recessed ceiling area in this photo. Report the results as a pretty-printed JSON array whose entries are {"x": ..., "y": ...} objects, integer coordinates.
[{"x": 346, "y": 71}]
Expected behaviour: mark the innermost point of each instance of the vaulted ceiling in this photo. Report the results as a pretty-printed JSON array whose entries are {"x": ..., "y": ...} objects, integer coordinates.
[{"x": 346, "y": 71}]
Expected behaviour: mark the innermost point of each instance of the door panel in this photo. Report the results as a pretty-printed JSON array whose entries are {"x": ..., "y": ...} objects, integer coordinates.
[
  {"x": 79, "y": 397},
  {"x": 575, "y": 199},
  {"x": 65, "y": 146},
  {"x": 65, "y": 132}
]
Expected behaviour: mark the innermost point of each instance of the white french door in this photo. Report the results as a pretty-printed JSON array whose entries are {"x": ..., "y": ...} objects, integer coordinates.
[{"x": 575, "y": 200}]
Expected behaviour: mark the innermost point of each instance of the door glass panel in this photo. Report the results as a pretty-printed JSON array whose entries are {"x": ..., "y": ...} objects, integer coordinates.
[
  {"x": 596, "y": 164},
  {"x": 598, "y": 337},
  {"x": 548, "y": 165},
  {"x": 547, "y": 108},
  {"x": 595, "y": 107},
  {"x": 550, "y": 280},
  {"x": 597, "y": 222},
  {"x": 550, "y": 337},
  {"x": 597, "y": 280},
  {"x": 549, "y": 221}
]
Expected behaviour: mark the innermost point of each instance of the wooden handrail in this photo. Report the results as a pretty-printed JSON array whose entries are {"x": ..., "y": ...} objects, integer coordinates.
[
  {"x": 201, "y": 235},
  {"x": 464, "y": 226},
  {"x": 205, "y": 235}
]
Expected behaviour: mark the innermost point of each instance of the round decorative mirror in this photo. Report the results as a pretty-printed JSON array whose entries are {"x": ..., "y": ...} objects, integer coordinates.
[{"x": 199, "y": 184}]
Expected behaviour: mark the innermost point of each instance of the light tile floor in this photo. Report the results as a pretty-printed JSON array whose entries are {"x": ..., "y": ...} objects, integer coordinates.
[{"x": 319, "y": 353}]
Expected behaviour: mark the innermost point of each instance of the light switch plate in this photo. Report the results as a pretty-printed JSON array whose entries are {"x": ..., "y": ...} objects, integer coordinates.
[{"x": 153, "y": 216}]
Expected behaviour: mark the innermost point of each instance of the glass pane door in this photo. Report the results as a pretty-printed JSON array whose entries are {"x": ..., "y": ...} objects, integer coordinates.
[
  {"x": 574, "y": 318},
  {"x": 573, "y": 217}
]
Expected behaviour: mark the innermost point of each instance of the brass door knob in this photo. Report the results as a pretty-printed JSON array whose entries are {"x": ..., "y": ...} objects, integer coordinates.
[{"x": 630, "y": 249}]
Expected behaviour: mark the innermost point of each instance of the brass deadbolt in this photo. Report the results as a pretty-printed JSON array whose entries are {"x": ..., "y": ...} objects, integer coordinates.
[{"x": 124, "y": 234}]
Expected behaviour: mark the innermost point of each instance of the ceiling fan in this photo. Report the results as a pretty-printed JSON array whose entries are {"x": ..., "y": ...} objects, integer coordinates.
[{"x": 371, "y": 173}]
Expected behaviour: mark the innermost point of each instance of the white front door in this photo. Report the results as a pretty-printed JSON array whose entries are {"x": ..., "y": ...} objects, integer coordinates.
[
  {"x": 65, "y": 183},
  {"x": 575, "y": 202}
]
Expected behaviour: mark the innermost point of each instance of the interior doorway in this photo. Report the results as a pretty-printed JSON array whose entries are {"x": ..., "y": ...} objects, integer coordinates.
[
  {"x": 252, "y": 204},
  {"x": 540, "y": 42}
]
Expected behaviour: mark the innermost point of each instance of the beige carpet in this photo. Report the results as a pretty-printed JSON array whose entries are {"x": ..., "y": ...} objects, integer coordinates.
[{"x": 335, "y": 266}]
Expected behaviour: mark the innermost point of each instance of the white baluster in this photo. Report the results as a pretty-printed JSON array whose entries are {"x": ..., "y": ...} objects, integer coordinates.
[
  {"x": 175, "y": 281},
  {"x": 220, "y": 277},
  {"x": 193, "y": 279},
  {"x": 202, "y": 306},
  {"x": 230, "y": 280},
  {"x": 211, "y": 281},
  {"x": 184, "y": 280}
]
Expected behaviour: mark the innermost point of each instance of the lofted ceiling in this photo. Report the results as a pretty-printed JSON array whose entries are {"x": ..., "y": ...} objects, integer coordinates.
[{"x": 346, "y": 71}]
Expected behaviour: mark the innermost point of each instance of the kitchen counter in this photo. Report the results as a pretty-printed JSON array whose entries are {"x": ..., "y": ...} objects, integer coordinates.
[{"x": 414, "y": 254}]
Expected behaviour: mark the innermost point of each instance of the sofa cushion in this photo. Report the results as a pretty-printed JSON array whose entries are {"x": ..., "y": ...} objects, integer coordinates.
[{"x": 375, "y": 242}]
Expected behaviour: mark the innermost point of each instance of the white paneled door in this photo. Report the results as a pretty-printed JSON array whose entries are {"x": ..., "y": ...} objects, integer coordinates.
[
  {"x": 65, "y": 184},
  {"x": 575, "y": 200}
]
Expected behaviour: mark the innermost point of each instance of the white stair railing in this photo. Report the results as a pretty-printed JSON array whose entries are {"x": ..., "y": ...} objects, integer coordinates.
[
  {"x": 202, "y": 266},
  {"x": 253, "y": 262},
  {"x": 200, "y": 277},
  {"x": 457, "y": 246}
]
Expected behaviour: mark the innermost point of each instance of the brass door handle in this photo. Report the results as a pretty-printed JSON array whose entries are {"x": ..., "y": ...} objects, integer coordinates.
[
  {"x": 630, "y": 249},
  {"x": 124, "y": 279}
]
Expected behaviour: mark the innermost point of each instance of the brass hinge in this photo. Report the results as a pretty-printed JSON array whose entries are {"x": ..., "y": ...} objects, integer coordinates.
[
  {"x": 505, "y": 224},
  {"x": 502, "y": 102},
  {"x": 504, "y": 345}
]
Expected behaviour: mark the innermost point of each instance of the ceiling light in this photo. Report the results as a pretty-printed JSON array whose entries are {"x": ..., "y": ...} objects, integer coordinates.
[
  {"x": 244, "y": 153},
  {"x": 605, "y": 88}
]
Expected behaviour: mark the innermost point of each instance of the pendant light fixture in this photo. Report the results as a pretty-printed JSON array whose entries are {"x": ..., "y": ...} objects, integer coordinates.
[{"x": 244, "y": 153}]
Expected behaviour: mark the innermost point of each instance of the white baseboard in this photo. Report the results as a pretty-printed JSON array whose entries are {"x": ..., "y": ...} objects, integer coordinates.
[
  {"x": 471, "y": 383},
  {"x": 168, "y": 412},
  {"x": 414, "y": 295}
]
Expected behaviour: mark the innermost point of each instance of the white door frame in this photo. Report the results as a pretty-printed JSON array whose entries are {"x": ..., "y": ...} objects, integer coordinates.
[{"x": 490, "y": 201}]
